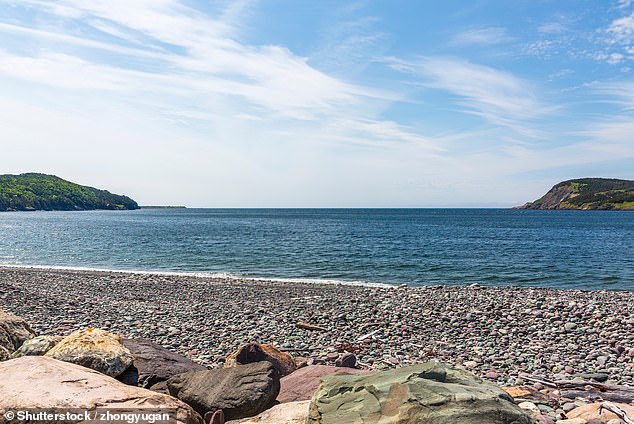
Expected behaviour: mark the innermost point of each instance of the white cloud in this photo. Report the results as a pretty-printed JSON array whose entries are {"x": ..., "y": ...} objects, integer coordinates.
[
  {"x": 497, "y": 96},
  {"x": 622, "y": 29},
  {"x": 493, "y": 35},
  {"x": 552, "y": 28}
]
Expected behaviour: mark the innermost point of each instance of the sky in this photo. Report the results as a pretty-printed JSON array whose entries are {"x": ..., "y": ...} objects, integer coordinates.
[{"x": 297, "y": 103}]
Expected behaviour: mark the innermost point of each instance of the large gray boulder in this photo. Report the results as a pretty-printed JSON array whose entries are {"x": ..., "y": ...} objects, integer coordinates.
[
  {"x": 94, "y": 348},
  {"x": 242, "y": 391},
  {"x": 37, "y": 346},
  {"x": 424, "y": 393},
  {"x": 155, "y": 364},
  {"x": 13, "y": 331},
  {"x": 45, "y": 384}
]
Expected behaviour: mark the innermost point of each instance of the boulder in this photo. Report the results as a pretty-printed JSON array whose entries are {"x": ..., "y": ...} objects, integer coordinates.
[
  {"x": 156, "y": 364},
  {"x": 37, "y": 346},
  {"x": 13, "y": 331},
  {"x": 255, "y": 352},
  {"x": 422, "y": 393},
  {"x": 43, "y": 383},
  {"x": 591, "y": 412},
  {"x": 287, "y": 413},
  {"x": 303, "y": 383},
  {"x": 93, "y": 348},
  {"x": 243, "y": 391}
]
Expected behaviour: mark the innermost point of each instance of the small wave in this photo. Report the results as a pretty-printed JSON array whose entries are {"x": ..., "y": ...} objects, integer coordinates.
[{"x": 201, "y": 274}]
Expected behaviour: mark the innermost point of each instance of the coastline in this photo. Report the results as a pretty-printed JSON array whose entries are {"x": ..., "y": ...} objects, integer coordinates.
[{"x": 496, "y": 332}]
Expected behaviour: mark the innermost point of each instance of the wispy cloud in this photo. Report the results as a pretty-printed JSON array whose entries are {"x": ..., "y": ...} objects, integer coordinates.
[
  {"x": 497, "y": 96},
  {"x": 199, "y": 60},
  {"x": 484, "y": 36}
]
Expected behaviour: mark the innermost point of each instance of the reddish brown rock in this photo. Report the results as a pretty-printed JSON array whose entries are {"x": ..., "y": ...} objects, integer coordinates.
[
  {"x": 302, "y": 384},
  {"x": 283, "y": 363},
  {"x": 155, "y": 364},
  {"x": 42, "y": 383}
]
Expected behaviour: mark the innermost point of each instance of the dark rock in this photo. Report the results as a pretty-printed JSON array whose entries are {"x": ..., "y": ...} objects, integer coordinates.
[
  {"x": 13, "y": 331},
  {"x": 4, "y": 354},
  {"x": 130, "y": 376},
  {"x": 256, "y": 352},
  {"x": 156, "y": 364},
  {"x": 596, "y": 376},
  {"x": 216, "y": 417},
  {"x": 349, "y": 360},
  {"x": 240, "y": 392}
]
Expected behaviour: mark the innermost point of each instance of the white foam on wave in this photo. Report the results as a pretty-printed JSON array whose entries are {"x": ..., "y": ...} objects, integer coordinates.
[{"x": 201, "y": 274}]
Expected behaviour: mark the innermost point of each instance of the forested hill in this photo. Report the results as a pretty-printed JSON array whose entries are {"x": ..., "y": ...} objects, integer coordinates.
[
  {"x": 32, "y": 191},
  {"x": 587, "y": 193}
]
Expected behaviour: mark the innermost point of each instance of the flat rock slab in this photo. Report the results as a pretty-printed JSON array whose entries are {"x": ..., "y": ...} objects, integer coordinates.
[
  {"x": 13, "y": 331},
  {"x": 95, "y": 349},
  {"x": 243, "y": 391},
  {"x": 156, "y": 364},
  {"x": 303, "y": 383},
  {"x": 43, "y": 383},
  {"x": 37, "y": 346},
  {"x": 287, "y": 413},
  {"x": 424, "y": 393}
]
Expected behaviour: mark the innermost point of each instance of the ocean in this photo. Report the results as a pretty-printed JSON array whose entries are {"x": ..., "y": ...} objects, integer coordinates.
[{"x": 563, "y": 249}]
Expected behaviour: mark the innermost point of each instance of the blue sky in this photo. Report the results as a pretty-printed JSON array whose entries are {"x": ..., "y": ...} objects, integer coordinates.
[{"x": 318, "y": 103}]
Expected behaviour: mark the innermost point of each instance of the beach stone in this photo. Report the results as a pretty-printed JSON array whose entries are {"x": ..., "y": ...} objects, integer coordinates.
[
  {"x": 428, "y": 392},
  {"x": 256, "y": 352},
  {"x": 286, "y": 413},
  {"x": 156, "y": 364},
  {"x": 37, "y": 346},
  {"x": 94, "y": 348},
  {"x": 303, "y": 383},
  {"x": 13, "y": 331},
  {"x": 42, "y": 383},
  {"x": 596, "y": 376},
  {"x": 242, "y": 391},
  {"x": 590, "y": 412}
]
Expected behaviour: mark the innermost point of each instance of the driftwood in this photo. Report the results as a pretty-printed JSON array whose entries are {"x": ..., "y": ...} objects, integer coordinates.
[
  {"x": 609, "y": 406},
  {"x": 619, "y": 397},
  {"x": 370, "y": 334},
  {"x": 598, "y": 391},
  {"x": 306, "y": 326}
]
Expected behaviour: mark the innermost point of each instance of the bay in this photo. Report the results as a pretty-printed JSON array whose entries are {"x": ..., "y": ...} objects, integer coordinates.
[{"x": 567, "y": 249}]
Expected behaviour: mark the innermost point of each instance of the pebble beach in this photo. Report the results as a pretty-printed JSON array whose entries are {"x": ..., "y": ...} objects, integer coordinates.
[{"x": 499, "y": 333}]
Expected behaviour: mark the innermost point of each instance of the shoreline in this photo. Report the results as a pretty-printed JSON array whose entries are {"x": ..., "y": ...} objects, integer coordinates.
[
  {"x": 209, "y": 275},
  {"x": 497, "y": 332}
]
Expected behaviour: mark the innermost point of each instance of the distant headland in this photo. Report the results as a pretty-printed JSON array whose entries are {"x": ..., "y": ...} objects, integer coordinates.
[
  {"x": 33, "y": 192},
  {"x": 587, "y": 194}
]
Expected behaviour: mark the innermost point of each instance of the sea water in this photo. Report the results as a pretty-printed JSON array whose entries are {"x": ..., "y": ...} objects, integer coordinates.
[{"x": 566, "y": 249}]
